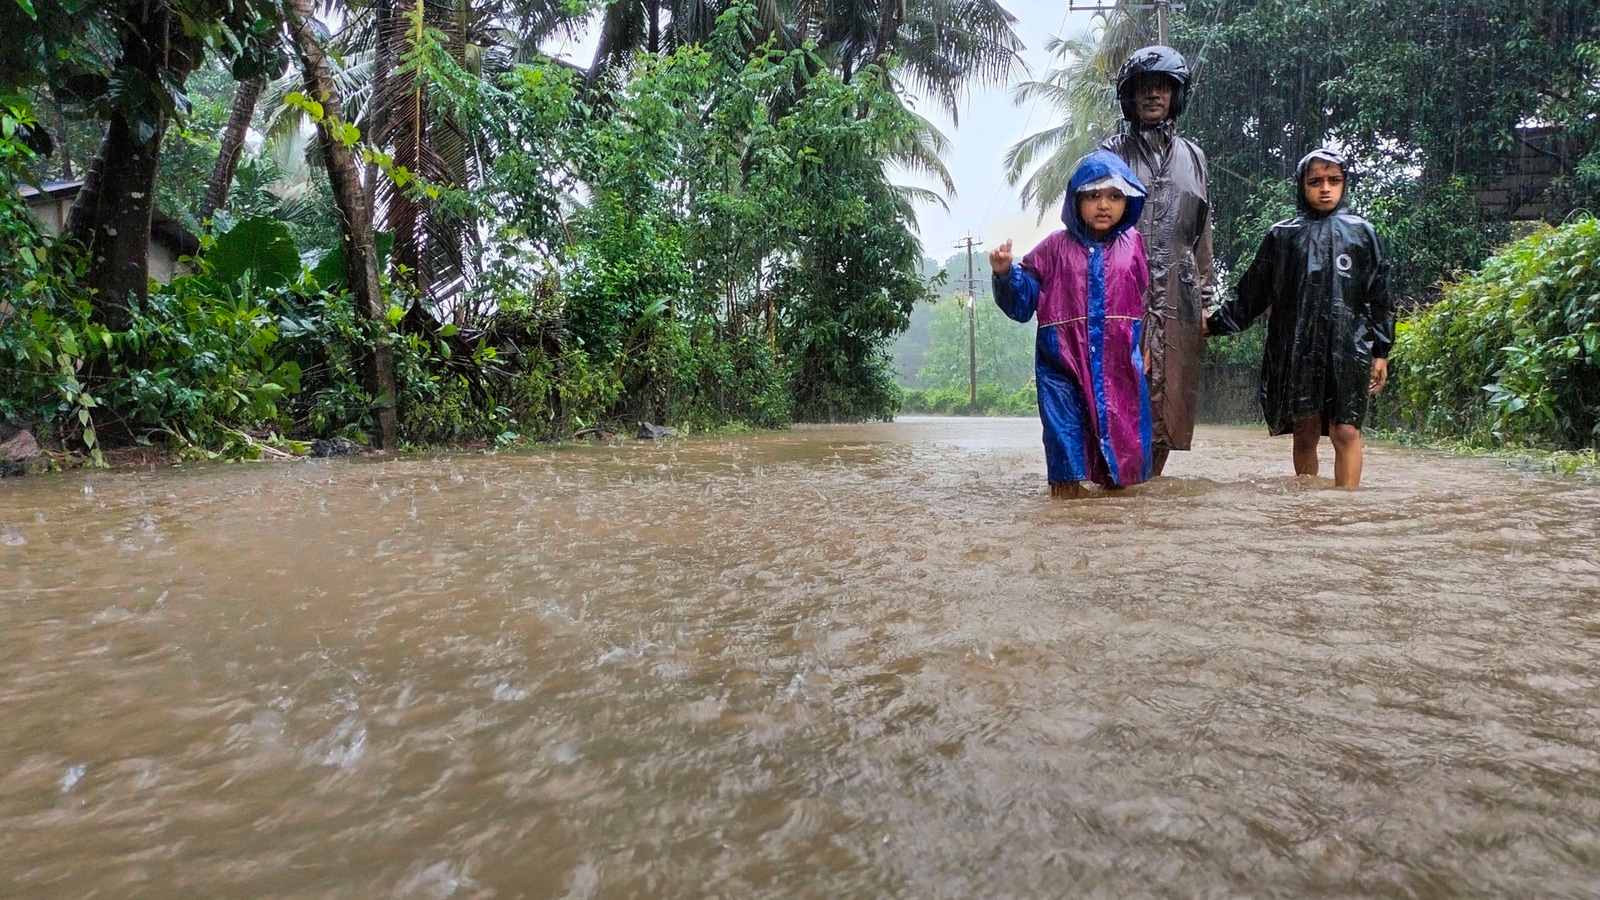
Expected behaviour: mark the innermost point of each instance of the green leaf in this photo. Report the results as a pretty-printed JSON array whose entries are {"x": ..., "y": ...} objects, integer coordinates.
[
  {"x": 260, "y": 245},
  {"x": 330, "y": 271}
]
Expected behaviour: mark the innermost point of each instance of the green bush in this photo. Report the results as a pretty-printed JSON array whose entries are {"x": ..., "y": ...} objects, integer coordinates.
[
  {"x": 729, "y": 381},
  {"x": 46, "y": 336},
  {"x": 198, "y": 358},
  {"x": 993, "y": 400},
  {"x": 1511, "y": 354}
]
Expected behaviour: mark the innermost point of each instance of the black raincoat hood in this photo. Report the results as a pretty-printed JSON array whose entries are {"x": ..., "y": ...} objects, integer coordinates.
[{"x": 1321, "y": 154}]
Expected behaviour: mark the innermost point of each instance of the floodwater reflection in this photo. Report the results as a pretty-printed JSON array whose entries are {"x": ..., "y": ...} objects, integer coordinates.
[{"x": 841, "y": 661}]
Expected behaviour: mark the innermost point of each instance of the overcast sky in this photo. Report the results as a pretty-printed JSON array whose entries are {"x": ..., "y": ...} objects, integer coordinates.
[{"x": 984, "y": 205}]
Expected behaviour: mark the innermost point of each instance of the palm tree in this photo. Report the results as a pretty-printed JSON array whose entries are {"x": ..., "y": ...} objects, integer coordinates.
[
  {"x": 1083, "y": 95},
  {"x": 232, "y": 144},
  {"x": 399, "y": 66},
  {"x": 943, "y": 46},
  {"x": 630, "y": 26},
  {"x": 425, "y": 57},
  {"x": 355, "y": 215}
]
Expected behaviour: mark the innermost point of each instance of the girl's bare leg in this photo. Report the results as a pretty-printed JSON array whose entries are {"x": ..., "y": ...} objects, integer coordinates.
[
  {"x": 1346, "y": 455},
  {"x": 1066, "y": 490},
  {"x": 1307, "y": 433}
]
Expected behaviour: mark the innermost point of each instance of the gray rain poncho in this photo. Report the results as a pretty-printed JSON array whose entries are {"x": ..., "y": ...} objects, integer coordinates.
[
  {"x": 1325, "y": 279},
  {"x": 1177, "y": 238}
]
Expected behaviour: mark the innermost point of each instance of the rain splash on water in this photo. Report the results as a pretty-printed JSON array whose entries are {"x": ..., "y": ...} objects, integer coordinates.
[{"x": 840, "y": 661}]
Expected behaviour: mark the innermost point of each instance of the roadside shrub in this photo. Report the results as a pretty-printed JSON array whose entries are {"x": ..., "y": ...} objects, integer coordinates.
[
  {"x": 993, "y": 400},
  {"x": 197, "y": 359},
  {"x": 1511, "y": 354},
  {"x": 732, "y": 381},
  {"x": 46, "y": 336}
]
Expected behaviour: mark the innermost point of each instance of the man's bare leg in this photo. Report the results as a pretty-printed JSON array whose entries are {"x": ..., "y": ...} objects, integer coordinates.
[
  {"x": 1158, "y": 460},
  {"x": 1346, "y": 455},
  {"x": 1307, "y": 433}
]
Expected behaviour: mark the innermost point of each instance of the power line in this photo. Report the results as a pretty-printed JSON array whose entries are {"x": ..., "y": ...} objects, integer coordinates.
[{"x": 1160, "y": 6}]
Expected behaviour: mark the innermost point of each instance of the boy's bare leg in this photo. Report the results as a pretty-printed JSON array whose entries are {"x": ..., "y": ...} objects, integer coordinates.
[
  {"x": 1307, "y": 434},
  {"x": 1066, "y": 490},
  {"x": 1346, "y": 455}
]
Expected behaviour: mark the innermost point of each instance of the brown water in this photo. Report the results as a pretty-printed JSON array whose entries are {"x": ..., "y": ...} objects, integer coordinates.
[{"x": 865, "y": 661}]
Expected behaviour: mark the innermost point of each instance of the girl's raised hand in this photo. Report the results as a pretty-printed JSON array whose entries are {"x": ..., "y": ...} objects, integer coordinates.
[{"x": 1000, "y": 258}]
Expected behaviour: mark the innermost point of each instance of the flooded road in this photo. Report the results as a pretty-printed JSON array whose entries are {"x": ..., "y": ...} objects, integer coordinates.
[{"x": 841, "y": 661}]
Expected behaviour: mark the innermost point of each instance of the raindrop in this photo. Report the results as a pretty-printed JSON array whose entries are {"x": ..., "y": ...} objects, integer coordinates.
[
  {"x": 12, "y": 537},
  {"x": 344, "y": 747},
  {"x": 505, "y": 692},
  {"x": 441, "y": 879},
  {"x": 73, "y": 776}
]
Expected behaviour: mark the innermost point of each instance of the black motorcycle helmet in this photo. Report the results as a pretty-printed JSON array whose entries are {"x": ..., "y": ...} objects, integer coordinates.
[{"x": 1159, "y": 60}]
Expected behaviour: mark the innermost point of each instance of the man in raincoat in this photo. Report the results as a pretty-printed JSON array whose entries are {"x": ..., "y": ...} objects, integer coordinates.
[
  {"x": 1153, "y": 88},
  {"x": 1324, "y": 276},
  {"x": 1087, "y": 285}
]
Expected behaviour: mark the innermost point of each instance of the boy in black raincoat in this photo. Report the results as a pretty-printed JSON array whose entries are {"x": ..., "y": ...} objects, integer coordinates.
[{"x": 1324, "y": 276}]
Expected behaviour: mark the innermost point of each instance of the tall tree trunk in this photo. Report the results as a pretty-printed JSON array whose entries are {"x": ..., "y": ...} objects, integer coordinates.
[
  {"x": 244, "y": 108},
  {"x": 891, "y": 16},
  {"x": 111, "y": 215},
  {"x": 355, "y": 221},
  {"x": 385, "y": 54},
  {"x": 64, "y": 139}
]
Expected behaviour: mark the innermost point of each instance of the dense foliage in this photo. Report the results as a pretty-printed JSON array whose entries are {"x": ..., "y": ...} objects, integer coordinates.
[
  {"x": 712, "y": 240},
  {"x": 699, "y": 229},
  {"x": 1426, "y": 96},
  {"x": 1511, "y": 354}
]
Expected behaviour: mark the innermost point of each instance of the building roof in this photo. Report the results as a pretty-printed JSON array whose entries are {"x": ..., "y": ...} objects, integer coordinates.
[{"x": 164, "y": 230}]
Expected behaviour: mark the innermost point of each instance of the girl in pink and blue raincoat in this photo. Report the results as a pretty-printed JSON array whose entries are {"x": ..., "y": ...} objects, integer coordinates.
[{"x": 1087, "y": 284}]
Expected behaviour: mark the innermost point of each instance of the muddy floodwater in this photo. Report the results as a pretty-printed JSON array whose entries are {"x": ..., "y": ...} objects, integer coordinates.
[{"x": 841, "y": 661}]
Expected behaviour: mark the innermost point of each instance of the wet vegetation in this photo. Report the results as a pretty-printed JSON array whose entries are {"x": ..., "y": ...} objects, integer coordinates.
[
  {"x": 421, "y": 228},
  {"x": 699, "y": 230},
  {"x": 1511, "y": 354}
]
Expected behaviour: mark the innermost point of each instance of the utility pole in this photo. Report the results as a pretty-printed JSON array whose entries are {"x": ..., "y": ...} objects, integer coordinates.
[
  {"x": 972, "y": 325},
  {"x": 1104, "y": 6}
]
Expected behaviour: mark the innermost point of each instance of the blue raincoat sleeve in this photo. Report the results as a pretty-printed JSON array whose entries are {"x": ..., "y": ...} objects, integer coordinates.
[{"x": 1017, "y": 293}]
